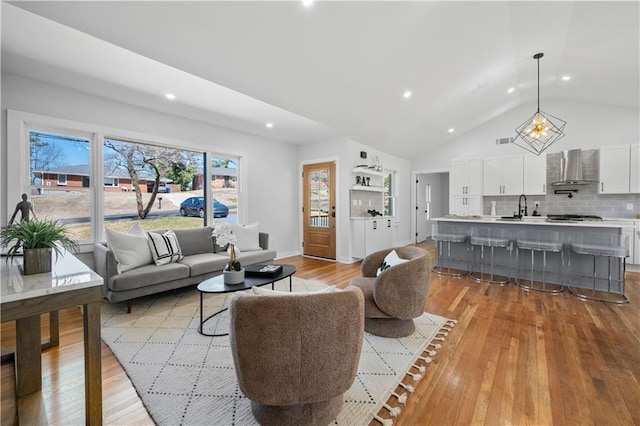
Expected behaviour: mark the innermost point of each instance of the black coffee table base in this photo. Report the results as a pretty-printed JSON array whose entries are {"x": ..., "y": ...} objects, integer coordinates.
[{"x": 216, "y": 285}]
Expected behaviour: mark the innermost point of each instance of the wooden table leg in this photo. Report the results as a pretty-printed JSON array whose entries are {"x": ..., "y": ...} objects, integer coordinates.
[
  {"x": 92, "y": 364},
  {"x": 28, "y": 362},
  {"x": 54, "y": 328}
]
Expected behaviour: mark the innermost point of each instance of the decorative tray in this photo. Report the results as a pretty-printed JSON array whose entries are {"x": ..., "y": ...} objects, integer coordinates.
[{"x": 263, "y": 270}]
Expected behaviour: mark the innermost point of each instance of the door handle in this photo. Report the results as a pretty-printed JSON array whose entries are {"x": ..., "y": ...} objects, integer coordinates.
[{"x": 333, "y": 214}]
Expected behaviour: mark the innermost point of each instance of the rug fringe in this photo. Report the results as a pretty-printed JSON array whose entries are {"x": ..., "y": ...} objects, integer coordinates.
[
  {"x": 425, "y": 357},
  {"x": 383, "y": 422}
]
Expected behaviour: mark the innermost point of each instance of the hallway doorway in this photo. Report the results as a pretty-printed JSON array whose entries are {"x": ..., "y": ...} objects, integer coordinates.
[{"x": 432, "y": 202}]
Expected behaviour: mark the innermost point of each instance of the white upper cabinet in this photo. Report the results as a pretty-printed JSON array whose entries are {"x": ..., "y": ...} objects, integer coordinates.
[
  {"x": 634, "y": 171},
  {"x": 614, "y": 169},
  {"x": 535, "y": 175},
  {"x": 466, "y": 177},
  {"x": 503, "y": 176}
]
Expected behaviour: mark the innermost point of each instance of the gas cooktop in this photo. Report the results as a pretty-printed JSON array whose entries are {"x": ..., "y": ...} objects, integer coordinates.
[{"x": 572, "y": 218}]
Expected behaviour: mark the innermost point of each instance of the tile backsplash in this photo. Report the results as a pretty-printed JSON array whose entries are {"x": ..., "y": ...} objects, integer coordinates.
[
  {"x": 586, "y": 201},
  {"x": 361, "y": 201}
]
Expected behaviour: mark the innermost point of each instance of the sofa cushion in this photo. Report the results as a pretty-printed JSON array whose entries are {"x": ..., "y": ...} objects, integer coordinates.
[
  {"x": 205, "y": 263},
  {"x": 131, "y": 249},
  {"x": 164, "y": 247},
  {"x": 148, "y": 275},
  {"x": 195, "y": 240},
  {"x": 256, "y": 256}
]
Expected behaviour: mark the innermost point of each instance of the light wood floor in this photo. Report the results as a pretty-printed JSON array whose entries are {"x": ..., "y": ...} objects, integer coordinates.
[{"x": 515, "y": 357}]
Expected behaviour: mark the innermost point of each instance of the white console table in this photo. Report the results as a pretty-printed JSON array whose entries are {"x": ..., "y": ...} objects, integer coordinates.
[{"x": 24, "y": 298}]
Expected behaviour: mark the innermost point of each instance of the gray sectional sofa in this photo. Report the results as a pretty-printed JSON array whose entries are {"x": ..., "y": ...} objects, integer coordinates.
[{"x": 202, "y": 260}]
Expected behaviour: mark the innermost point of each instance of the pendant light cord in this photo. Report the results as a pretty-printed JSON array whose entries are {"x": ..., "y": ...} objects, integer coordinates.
[{"x": 538, "y": 84}]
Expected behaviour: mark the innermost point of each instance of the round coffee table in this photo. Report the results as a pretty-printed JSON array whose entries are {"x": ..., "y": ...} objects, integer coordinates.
[{"x": 217, "y": 285}]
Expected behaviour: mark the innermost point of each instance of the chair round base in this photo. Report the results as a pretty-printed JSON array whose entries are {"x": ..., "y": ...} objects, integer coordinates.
[
  {"x": 389, "y": 327},
  {"x": 539, "y": 286},
  {"x": 600, "y": 296},
  {"x": 444, "y": 271},
  {"x": 479, "y": 277},
  {"x": 317, "y": 413}
]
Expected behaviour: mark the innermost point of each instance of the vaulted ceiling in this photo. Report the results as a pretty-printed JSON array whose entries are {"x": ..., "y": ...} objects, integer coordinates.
[{"x": 335, "y": 69}]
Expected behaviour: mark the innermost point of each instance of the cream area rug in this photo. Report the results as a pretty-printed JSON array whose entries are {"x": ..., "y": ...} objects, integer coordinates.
[{"x": 185, "y": 378}]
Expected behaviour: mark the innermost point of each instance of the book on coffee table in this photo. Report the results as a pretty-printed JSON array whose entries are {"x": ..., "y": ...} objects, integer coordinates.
[{"x": 263, "y": 270}]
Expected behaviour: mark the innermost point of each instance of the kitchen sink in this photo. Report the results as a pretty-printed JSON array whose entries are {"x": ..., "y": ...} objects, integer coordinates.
[{"x": 511, "y": 218}]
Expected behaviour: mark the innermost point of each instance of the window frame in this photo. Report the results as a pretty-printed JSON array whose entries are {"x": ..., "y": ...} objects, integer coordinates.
[
  {"x": 115, "y": 182},
  {"x": 20, "y": 123},
  {"x": 62, "y": 182},
  {"x": 389, "y": 194}
]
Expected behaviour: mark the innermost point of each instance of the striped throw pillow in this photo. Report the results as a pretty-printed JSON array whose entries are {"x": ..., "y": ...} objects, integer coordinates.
[{"x": 164, "y": 248}]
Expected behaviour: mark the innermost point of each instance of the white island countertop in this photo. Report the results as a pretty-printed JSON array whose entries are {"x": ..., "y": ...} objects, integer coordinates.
[
  {"x": 67, "y": 274},
  {"x": 535, "y": 220}
]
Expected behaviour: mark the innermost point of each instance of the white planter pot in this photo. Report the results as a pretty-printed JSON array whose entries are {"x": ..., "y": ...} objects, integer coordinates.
[{"x": 233, "y": 277}]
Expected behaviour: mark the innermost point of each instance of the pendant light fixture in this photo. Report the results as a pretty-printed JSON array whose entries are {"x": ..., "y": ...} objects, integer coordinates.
[{"x": 542, "y": 129}]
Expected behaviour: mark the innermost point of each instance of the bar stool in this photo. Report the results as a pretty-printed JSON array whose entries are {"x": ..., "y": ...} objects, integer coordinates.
[
  {"x": 448, "y": 235},
  {"x": 539, "y": 242},
  {"x": 603, "y": 246},
  {"x": 492, "y": 238}
]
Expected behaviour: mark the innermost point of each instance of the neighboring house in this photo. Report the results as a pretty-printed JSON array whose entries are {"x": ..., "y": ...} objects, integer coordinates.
[
  {"x": 221, "y": 177},
  {"x": 77, "y": 176}
]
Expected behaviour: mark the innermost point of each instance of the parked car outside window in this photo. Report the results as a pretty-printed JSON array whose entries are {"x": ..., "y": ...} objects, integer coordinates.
[{"x": 194, "y": 206}]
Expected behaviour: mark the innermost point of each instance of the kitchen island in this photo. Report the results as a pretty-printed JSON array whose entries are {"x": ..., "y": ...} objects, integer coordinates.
[{"x": 578, "y": 268}]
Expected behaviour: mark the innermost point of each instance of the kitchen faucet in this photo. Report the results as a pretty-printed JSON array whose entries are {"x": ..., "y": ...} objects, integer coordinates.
[{"x": 520, "y": 209}]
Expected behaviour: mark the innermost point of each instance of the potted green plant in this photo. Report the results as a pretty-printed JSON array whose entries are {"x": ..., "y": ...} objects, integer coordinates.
[{"x": 37, "y": 238}]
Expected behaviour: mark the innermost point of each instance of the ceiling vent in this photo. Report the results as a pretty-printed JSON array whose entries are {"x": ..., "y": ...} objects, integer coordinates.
[{"x": 503, "y": 141}]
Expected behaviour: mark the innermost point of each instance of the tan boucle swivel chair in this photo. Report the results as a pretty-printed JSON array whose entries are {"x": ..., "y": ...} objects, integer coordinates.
[
  {"x": 398, "y": 294},
  {"x": 297, "y": 354}
]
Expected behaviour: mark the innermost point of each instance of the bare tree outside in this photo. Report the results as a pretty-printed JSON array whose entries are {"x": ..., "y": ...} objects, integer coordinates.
[
  {"x": 43, "y": 155},
  {"x": 142, "y": 161}
]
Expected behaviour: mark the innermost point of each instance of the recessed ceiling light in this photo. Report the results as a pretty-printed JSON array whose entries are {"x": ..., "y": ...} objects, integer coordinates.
[
  {"x": 269, "y": 125},
  {"x": 511, "y": 89},
  {"x": 566, "y": 77},
  {"x": 170, "y": 96},
  {"x": 407, "y": 94},
  {"x": 451, "y": 130},
  {"x": 307, "y": 3}
]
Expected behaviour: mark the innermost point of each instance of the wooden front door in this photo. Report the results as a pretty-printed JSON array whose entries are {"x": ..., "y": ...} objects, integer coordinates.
[{"x": 319, "y": 210}]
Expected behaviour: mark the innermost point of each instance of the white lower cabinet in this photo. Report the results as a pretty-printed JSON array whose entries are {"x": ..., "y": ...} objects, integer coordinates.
[{"x": 371, "y": 235}]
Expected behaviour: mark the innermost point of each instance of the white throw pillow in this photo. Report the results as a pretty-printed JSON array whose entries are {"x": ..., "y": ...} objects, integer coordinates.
[
  {"x": 259, "y": 291},
  {"x": 131, "y": 249},
  {"x": 247, "y": 236},
  {"x": 164, "y": 247},
  {"x": 391, "y": 259}
]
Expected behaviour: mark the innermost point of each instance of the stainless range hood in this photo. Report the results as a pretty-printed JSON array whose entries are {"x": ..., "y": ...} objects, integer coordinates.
[{"x": 572, "y": 169}]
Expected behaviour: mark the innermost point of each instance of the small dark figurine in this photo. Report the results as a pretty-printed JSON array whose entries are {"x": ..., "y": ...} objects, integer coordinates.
[{"x": 24, "y": 207}]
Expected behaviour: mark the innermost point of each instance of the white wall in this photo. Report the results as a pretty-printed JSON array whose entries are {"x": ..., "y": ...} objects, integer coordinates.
[
  {"x": 588, "y": 126},
  {"x": 271, "y": 180}
]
